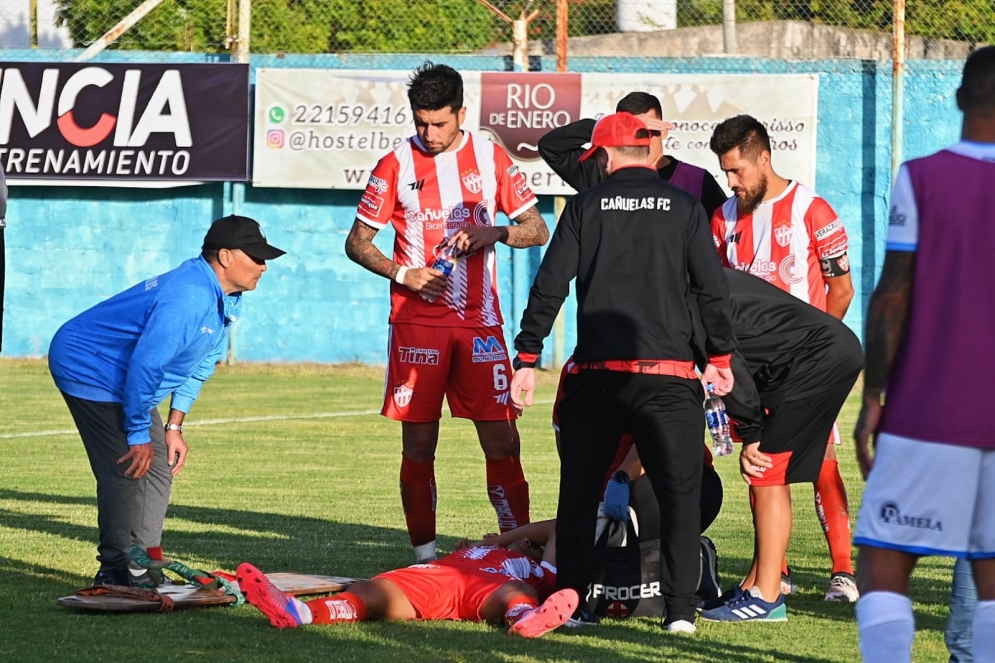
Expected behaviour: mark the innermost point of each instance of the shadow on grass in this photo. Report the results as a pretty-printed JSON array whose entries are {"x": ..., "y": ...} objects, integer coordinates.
[
  {"x": 224, "y": 538},
  {"x": 39, "y": 630}
]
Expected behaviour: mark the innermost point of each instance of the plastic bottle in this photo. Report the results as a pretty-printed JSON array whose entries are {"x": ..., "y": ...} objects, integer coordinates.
[{"x": 718, "y": 423}]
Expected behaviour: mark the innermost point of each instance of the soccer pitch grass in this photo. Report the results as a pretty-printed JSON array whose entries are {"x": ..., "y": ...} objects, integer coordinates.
[{"x": 290, "y": 468}]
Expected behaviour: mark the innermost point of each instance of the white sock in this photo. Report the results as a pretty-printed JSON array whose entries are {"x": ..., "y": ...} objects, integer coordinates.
[
  {"x": 515, "y": 612},
  {"x": 425, "y": 552},
  {"x": 886, "y": 626},
  {"x": 984, "y": 632},
  {"x": 303, "y": 611}
]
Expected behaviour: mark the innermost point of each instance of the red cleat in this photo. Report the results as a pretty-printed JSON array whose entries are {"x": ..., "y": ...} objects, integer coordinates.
[
  {"x": 552, "y": 614},
  {"x": 262, "y": 594}
]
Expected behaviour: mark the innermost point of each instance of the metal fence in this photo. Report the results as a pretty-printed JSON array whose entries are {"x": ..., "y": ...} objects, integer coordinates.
[{"x": 678, "y": 27}]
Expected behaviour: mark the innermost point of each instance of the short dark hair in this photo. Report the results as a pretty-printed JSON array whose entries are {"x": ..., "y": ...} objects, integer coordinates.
[
  {"x": 434, "y": 87},
  {"x": 638, "y": 103},
  {"x": 634, "y": 151},
  {"x": 742, "y": 131},
  {"x": 210, "y": 255},
  {"x": 977, "y": 88}
]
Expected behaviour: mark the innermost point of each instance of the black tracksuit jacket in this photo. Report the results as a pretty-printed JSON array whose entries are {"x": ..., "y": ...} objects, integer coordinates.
[
  {"x": 635, "y": 245},
  {"x": 786, "y": 350}
]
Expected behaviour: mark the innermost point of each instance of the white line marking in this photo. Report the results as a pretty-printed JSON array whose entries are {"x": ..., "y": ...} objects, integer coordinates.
[{"x": 236, "y": 420}]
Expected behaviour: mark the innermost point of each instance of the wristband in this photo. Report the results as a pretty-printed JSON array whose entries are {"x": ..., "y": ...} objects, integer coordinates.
[
  {"x": 176, "y": 427},
  {"x": 399, "y": 277}
]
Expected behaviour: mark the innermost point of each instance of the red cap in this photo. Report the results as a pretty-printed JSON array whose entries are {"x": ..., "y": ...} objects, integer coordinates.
[{"x": 618, "y": 130}]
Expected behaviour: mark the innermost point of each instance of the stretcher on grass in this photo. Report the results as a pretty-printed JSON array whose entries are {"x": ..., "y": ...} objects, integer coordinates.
[{"x": 201, "y": 590}]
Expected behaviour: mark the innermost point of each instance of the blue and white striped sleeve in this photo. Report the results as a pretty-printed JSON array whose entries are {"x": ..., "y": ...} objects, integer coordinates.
[{"x": 903, "y": 216}]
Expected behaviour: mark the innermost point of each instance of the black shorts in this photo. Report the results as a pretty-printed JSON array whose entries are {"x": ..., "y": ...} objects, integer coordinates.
[{"x": 796, "y": 434}]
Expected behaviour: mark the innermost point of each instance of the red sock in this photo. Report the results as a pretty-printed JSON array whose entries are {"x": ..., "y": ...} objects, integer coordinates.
[
  {"x": 344, "y": 607},
  {"x": 418, "y": 498},
  {"x": 833, "y": 510},
  {"x": 509, "y": 492}
]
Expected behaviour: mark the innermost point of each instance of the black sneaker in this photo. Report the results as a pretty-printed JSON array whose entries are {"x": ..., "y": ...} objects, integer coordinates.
[
  {"x": 582, "y": 617},
  {"x": 709, "y": 586},
  {"x": 113, "y": 576}
]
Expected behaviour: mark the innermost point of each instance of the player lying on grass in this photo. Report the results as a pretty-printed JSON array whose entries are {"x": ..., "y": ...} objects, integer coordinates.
[{"x": 512, "y": 584}]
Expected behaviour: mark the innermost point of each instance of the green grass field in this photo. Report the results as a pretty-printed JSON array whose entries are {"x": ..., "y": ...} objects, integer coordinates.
[{"x": 291, "y": 468}]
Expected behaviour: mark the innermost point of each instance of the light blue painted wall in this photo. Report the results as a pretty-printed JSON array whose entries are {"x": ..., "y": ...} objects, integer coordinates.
[{"x": 70, "y": 247}]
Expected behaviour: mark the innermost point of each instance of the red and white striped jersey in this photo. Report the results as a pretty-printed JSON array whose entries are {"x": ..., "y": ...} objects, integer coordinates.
[
  {"x": 430, "y": 197},
  {"x": 783, "y": 241}
]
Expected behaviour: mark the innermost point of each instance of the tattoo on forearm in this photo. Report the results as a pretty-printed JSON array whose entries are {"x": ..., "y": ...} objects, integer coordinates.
[
  {"x": 531, "y": 230},
  {"x": 886, "y": 318},
  {"x": 360, "y": 249}
]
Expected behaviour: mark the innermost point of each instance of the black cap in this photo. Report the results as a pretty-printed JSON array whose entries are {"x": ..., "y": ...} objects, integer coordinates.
[{"x": 240, "y": 232}]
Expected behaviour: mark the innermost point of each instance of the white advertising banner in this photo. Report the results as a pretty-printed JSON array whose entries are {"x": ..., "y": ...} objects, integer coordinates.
[{"x": 327, "y": 128}]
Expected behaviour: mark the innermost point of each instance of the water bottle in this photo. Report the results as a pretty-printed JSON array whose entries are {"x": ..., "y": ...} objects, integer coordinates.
[
  {"x": 718, "y": 423},
  {"x": 445, "y": 258}
]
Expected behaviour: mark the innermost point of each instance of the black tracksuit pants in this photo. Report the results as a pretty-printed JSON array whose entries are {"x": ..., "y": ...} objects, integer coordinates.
[{"x": 664, "y": 415}]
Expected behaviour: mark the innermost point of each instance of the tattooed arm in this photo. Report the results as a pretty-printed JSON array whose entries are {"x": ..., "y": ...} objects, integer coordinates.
[
  {"x": 529, "y": 230},
  {"x": 361, "y": 250},
  {"x": 883, "y": 335}
]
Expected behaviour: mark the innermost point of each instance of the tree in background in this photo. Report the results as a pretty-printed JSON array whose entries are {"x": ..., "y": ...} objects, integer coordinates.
[
  {"x": 441, "y": 26},
  {"x": 293, "y": 26}
]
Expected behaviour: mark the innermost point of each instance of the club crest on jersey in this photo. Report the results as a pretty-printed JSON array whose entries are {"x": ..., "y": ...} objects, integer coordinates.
[
  {"x": 402, "y": 395},
  {"x": 473, "y": 181},
  {"x": 783, "y": 235}
]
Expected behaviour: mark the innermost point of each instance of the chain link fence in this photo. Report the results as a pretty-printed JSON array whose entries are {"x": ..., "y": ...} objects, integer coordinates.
[{"x": 672, "y": 28}]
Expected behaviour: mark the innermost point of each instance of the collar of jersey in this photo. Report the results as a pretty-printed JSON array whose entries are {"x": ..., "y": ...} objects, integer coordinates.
[
  {"x": 791, "y": 185},
  {"x": 972, "y": 150}
]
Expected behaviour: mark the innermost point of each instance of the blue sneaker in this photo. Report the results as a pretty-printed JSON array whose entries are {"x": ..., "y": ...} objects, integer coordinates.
[
  {"x": 749, "y": 607},
  {"x": 732, "y": 594}
]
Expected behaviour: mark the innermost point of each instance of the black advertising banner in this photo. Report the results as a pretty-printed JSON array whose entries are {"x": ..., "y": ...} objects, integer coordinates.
[{"x": 123, "y": 123}]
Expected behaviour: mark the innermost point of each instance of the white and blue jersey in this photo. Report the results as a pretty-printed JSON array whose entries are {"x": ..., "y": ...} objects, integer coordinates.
[{"x": 158, "y": 338}]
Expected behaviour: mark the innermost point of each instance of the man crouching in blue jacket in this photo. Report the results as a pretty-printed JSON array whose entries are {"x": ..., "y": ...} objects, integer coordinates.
[{"x": 114, "y": 364}]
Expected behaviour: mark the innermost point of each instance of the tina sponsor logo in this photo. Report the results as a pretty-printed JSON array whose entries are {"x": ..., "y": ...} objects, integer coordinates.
[
  {"x": 891, "y": 515},
  {"x": 426, "y": 356}
]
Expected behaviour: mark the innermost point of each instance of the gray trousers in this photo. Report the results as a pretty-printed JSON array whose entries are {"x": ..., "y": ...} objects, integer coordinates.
[{"x": 128, "y": 510}]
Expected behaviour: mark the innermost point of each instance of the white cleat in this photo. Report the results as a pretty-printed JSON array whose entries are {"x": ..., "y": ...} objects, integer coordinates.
[{"x": 843, "y": 588}]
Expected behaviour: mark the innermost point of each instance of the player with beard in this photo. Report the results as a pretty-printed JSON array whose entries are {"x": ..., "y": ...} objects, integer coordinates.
[
  {"x": 784, "y": 233},
  {"x": 441, "y": 190}
]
